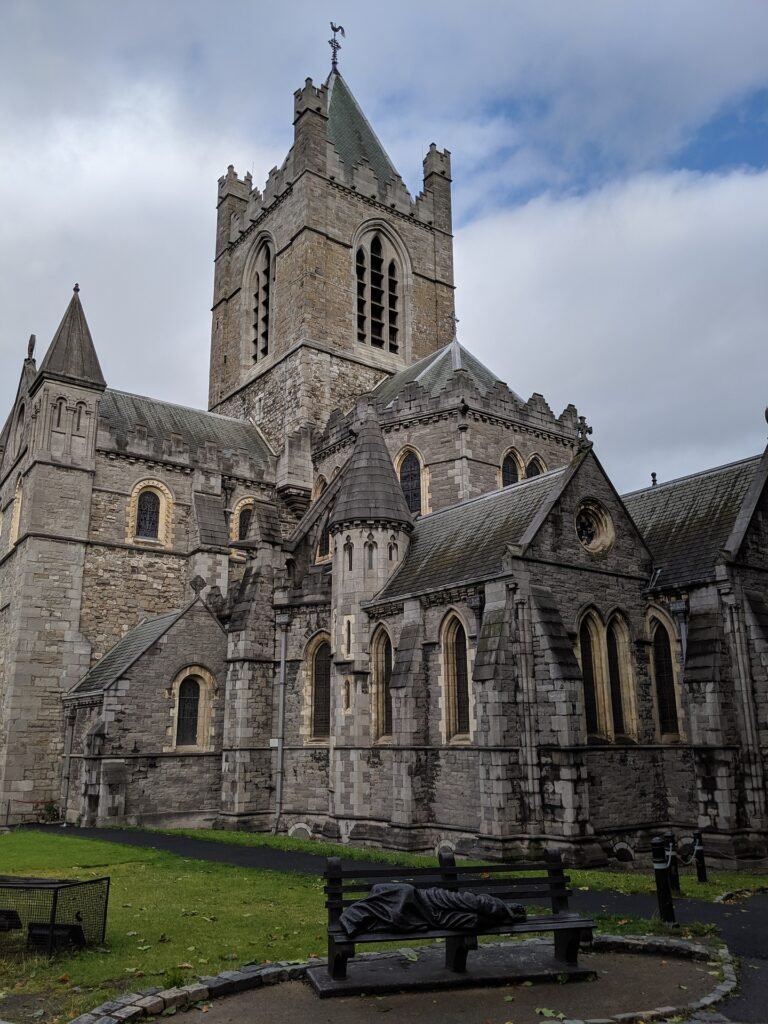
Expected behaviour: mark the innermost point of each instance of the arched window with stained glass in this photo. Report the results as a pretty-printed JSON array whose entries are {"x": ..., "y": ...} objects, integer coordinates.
[
  {"x": 321, "y": 691},
  {"x": 148, "y": 515},
  {"x": 188, "y": 713},
  {"x": 664, "y": 681},
  {"x": 410, "y": 481}
]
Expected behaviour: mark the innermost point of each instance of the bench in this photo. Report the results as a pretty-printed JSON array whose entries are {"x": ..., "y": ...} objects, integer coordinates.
[{"x": 549, "y": 884}]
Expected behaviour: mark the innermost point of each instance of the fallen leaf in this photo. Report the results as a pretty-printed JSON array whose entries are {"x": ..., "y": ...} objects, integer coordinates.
[{"x": 509, "y": 999}]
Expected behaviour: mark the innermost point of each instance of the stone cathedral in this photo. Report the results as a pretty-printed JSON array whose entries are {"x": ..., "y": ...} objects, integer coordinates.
[{"x": 371, "y": 594}]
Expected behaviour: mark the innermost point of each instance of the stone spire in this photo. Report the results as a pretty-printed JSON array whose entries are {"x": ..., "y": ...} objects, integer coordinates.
[
  {"x": 350, "y": 132},
  {"x": 370, "y": 489},
  {"x": 71, "y": 355}
]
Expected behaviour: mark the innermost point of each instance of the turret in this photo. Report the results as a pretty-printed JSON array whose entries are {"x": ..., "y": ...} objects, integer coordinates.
[
  {"x": 310, "y": 117},
  {"x": 370, "y": 526},
  {"x": 437, "y": 180}
]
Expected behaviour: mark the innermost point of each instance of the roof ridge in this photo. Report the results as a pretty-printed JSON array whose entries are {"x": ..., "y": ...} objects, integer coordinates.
[
  {"x": 691, "y": 476},
  {"x": 489, "y": 494}
]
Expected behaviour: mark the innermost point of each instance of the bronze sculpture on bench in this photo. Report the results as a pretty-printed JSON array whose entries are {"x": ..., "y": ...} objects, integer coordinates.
[{"x": 456, "y": 903}]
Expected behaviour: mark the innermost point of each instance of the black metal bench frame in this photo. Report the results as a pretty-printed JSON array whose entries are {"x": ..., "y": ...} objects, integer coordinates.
[{"x": 345, "y": 886}]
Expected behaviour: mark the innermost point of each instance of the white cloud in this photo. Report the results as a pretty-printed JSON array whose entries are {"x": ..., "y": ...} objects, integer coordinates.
[
  {"x": 124, "y": 203},
  {"x": 643, "y": 303},
  {"x": 116, "y": 120}
]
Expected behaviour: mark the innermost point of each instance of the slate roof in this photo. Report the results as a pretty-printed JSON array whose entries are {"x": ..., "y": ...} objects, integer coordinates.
[
  {"x": 370, "y": 488},
  {"x": 126, "y": 651},
  {"x": 435, "y": 372},
  {"x": 350, "y": 133},
  {"x": 687, "y": 522},
  {"x": 72, "y": 354},
  {"x": 211, "y": 522},
  {"x": 467, "y": 542},
  {"x": 196, "y": 428}
]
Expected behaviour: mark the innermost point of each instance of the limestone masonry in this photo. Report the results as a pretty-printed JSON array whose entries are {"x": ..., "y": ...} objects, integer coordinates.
[{"x": 372, "y": 594}]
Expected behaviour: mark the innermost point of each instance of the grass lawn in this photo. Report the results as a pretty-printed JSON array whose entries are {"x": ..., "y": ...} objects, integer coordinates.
[
  {"x": 171, "y": 920},
  {"x": 629, "y": 881}
]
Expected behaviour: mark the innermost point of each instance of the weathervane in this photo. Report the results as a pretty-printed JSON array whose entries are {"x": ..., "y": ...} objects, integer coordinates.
[{"x": 335, "y": 45}]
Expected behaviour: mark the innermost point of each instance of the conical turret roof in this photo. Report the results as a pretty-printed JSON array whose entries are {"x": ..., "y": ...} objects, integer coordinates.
[
  {"x": 370, "y": 488},
  {"x": 71, "y": 354},
  {"x": 351, "y": 134}
]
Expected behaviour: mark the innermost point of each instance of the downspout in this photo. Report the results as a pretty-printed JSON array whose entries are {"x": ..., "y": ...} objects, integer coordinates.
[
  {"x": 283, "y": 620},
  {"x": 68, "y": 738}
]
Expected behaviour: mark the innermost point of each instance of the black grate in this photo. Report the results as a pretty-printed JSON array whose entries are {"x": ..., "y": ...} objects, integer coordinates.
[{"x": 47, "y": 914}]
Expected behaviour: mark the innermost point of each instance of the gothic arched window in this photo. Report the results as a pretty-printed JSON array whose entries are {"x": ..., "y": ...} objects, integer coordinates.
[
  {"x": 244, "y": 522},
  {"x": 535, "y": 467},
  {"x": 615, "y": 680},
  {"x": 382, "y": 675},
  {"x": 321, "y": 691},
  {"x": 456, "y": 678},
  {"x": 588, "y": 643},
  {"x": 261, "y": 287},
  {"x": 510, "y": 470},
  {"x": 379, "y": 293},
  {"x": 324, "y": 541},
  {"x": 189, "y": 706},
  {"x": 664, "y": 680},
  {"x": 410, "y": 481},
  {"x": 148, "y": 515}
]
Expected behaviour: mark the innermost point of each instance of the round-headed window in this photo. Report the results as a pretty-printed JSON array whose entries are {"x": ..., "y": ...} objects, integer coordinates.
[{"x": 594, "y": 527}]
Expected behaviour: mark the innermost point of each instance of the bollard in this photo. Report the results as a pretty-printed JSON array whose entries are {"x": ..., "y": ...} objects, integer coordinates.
[
  {"x": 674, "y": 870},
  {"x": 661, "y": 871},
  {"x": 698, "y": 856}
]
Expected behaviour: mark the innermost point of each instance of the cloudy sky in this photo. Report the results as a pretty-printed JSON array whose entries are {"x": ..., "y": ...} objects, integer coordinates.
[{"x": 610, "y": 185}]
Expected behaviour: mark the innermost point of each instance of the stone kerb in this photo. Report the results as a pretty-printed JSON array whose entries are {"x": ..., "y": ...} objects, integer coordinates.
[{"x": 154, "y": 1002}]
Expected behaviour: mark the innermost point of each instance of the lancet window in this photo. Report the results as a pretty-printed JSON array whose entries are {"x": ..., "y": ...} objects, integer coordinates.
[
  {"x": 261, "y": 296},
  {"x": 379, "y": 293}
]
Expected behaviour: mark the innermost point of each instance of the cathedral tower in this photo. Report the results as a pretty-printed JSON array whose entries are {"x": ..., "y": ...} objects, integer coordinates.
[{"x": 331, "y": 278}]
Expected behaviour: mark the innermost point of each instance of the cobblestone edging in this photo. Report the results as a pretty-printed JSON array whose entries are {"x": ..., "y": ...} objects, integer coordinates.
[{"x": 151, "y": 1002}]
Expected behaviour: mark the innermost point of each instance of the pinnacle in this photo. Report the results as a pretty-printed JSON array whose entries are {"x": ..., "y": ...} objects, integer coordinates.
[
  {"x": 370, "y": 489},
  {"x": 72, "y": 353}
]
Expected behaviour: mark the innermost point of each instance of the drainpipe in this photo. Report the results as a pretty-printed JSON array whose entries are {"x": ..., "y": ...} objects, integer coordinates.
[
  {"x": 283, "y": 620},
  {"x": 68, "y": 738}
]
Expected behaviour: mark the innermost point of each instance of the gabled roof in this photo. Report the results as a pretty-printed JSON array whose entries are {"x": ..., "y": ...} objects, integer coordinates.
[
  {"x": 687, "y": 522},
  {"x": 71, "y": 354},
  {"x": 195, "y": 427},
  {"x": 370, "y": 488},
  {"x": 467, "y": 542},
  {"x": 350, "y": 133},
  {"x": 126, "y": 651},
  {"x": 436, "y": 372}
]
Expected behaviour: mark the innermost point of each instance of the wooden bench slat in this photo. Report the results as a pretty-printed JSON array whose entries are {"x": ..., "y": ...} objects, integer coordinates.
[
  {"x": 396, "y": 872},
  {"x": 531, "y": 924}
]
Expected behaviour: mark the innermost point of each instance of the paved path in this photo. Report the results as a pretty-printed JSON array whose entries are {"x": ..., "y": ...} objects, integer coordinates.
[{"x": 743, "y": 925}]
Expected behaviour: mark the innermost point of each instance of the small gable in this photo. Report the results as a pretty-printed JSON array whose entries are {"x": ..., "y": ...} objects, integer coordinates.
[{"x": 586, "y": 524}]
